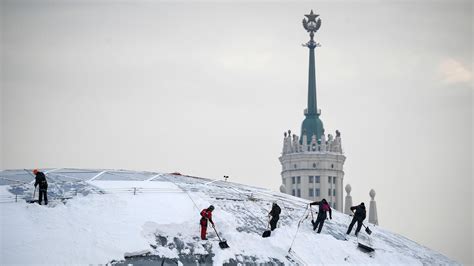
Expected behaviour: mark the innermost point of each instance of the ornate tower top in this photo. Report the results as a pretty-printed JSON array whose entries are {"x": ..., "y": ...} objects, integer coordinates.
[
  {"x": 312, "y": 125},
  {"x": 311, "y": 25}
]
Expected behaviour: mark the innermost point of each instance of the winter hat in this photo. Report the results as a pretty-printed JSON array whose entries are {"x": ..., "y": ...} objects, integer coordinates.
[
  {"x": 362, "y": 204},
  {"x": 211, "y": 207}
]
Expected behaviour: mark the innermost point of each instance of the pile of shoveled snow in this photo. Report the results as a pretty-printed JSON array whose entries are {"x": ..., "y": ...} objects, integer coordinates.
[{"x": 159, "y": 218}]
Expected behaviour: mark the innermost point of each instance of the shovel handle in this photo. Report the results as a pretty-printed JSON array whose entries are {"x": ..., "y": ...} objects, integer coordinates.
[{"x": 213, "y": 227}]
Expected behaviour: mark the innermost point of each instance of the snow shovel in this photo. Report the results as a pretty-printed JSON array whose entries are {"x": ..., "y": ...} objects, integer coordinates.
[
  {"x": 365, "y": 248},
  {"x": 367, "y": 230},
  {"x": 222, "y": 244},
  {"x": 268, "y": 232},
  {"x": 33, "y": 199}
]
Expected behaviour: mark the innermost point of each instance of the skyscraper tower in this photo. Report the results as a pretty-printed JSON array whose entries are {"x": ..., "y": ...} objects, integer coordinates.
[{"x": 312, "y": 166}]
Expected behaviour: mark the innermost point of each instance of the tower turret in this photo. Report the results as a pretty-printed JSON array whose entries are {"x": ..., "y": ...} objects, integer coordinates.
[{"x": 312, "y": 165}]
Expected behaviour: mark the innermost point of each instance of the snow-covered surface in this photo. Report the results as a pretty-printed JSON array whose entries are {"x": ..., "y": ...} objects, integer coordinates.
[{"x": 159, "y": 217}]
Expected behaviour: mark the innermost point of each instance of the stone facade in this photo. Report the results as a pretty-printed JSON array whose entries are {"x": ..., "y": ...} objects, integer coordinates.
[{"x": 313, "y": 171}]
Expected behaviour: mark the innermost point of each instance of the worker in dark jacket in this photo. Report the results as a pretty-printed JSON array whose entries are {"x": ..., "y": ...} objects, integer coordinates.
[
  {"x": 40, "y": 179},
  {"x": 359, "y": 217},
  {"x": 275, "y": 215},
  {"x": 206, "y": 215},
  {"x": 322, "y": 214}
]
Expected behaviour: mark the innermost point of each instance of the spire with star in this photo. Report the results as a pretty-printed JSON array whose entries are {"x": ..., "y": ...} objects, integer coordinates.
[{"x": 312, "y": 125}]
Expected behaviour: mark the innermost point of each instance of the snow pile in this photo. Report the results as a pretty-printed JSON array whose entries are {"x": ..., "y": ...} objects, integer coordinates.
[{"x": 156, "y": 218}]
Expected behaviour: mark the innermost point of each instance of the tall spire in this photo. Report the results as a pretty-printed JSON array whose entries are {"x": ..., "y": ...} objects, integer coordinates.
[
  {"x": 312, "y": 125},
  {"x": 312, "y": 101},
  {"x": 311, "y": 25}
]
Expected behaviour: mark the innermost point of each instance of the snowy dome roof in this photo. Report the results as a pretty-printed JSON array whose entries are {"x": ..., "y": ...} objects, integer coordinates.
[{"x": 122, "y": 217}]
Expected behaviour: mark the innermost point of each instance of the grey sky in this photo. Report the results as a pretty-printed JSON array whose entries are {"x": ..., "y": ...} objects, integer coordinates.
[{"x": 208, "y": 89}]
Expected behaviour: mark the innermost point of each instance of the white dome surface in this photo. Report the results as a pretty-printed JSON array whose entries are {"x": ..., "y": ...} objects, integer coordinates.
[{"x": 102, "y": 216}]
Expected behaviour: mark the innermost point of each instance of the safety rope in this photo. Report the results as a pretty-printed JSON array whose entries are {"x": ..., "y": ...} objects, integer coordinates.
[
  {"x": 189, "y": 196},
  {"x": 298, "y": 227}
]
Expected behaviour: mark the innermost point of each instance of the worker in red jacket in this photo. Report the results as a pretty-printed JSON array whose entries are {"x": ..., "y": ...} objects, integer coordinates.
[{"x": 206, "y": 215}]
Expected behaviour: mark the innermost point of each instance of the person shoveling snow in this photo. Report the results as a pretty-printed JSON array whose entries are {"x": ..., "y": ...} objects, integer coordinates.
[
  {"x": 206, "y": 215},
  {"x": 274, "y": 216},
  {"x": 40, "y": 179},
  {"x": 359, "y": 217},
  {"x": 323, "y": 208}
]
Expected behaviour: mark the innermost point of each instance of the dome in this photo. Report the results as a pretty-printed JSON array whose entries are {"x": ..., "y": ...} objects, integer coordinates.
[{"x": 312, "y": 125}]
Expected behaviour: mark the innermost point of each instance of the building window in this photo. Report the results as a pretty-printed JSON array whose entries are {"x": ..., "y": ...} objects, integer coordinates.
[
  {"x": 316, "y": 179},
  {"x": 329, "y": 179},
  {"x": 293, "y": 179},
  {"x": 298, "y": 191},
  {"x": 294, "y": 166},
  {"x": 329, "y": 192},
  {"x": 310, "y": 179},
  {"x": 311, "y": 192},
  {"x": 332, "y": 165},
  {"x": 334, "y": 180},
  {"x": 314, "y": 165},
  {"x": 298, "y": 180},
  {"x": 334, "y": 192},
  {"x": 317, "y": 192},
  {"x": 334, "y": 205},
  {"x": 293, "y": 193}
]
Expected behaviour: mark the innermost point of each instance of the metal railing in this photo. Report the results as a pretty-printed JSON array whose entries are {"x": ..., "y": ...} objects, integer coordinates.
[
  {"x": 131, "y": 190},
  {"x": 140, "y": 190}
]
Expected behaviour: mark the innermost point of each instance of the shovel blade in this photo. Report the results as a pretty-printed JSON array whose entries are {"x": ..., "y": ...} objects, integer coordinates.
[
  {"x": 267, "y": 233},
  {"x": 223, "y": 244},
  {"x": 365, "y": 248},
  {"x": 368, "y": 231}
]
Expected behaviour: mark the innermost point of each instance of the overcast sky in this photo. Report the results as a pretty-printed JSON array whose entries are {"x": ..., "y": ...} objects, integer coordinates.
[{"x": 208, "y": 89}]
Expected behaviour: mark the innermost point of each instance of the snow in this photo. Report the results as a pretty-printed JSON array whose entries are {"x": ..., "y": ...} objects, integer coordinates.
[
  {"x": 161, "y": 218},
  {"x": 92, "y": 229}
]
